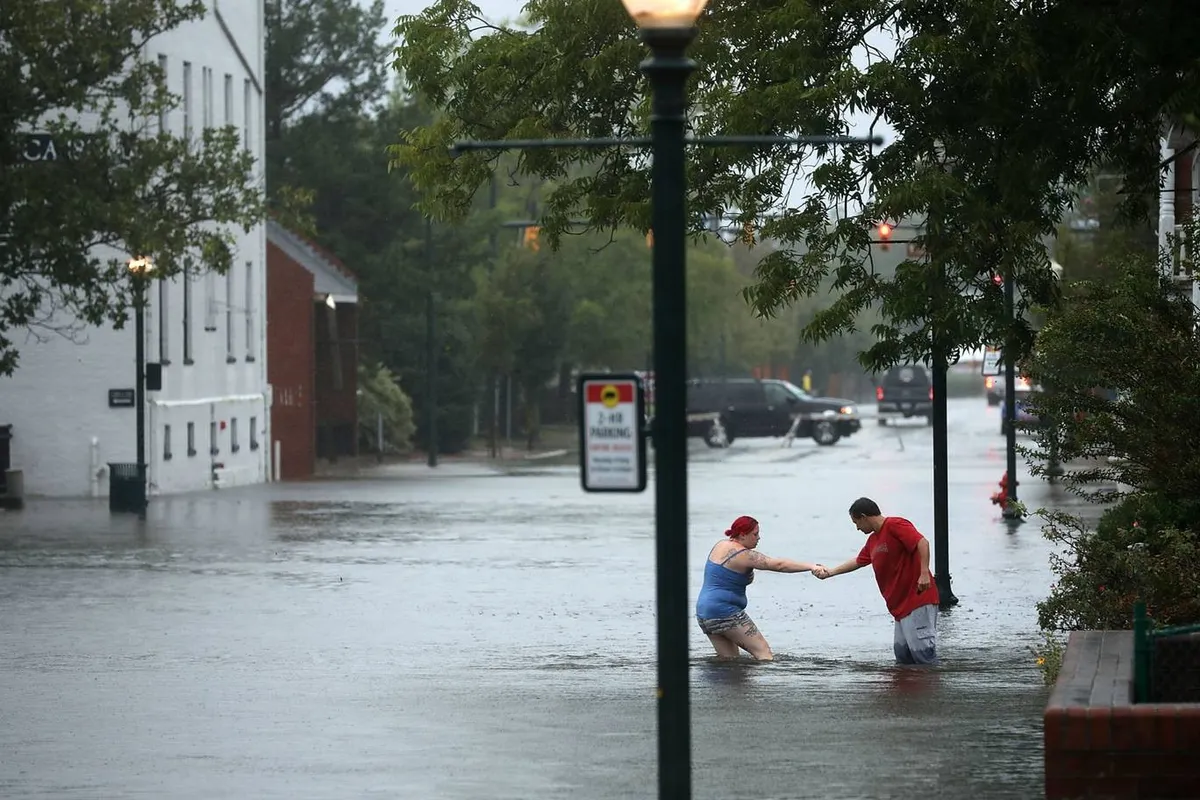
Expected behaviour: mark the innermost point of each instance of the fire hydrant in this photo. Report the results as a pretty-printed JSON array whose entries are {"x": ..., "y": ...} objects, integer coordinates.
[{"x": 1000, "y": 498}]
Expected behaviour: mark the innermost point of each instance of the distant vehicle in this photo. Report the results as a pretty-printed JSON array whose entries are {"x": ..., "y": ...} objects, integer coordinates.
[
  {"x": 994, "y": 388},
  {"x": 1024, "y": 416},
  {"x": 905, "y": 391},
  {"x": 751, "y": 408}
]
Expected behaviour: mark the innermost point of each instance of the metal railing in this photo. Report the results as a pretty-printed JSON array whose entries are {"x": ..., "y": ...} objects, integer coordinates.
[{"x": 1145, "y": 646}]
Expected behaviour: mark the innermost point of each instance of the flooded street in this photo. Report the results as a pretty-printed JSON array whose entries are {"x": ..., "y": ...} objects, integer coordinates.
[{"x": 476, "y": 632}]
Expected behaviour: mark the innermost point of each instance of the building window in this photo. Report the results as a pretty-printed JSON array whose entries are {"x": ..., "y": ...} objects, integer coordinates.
[
  {"x": 233, "y": 437},
  {"x": 206, "y": 89},
  {"x": 164, "y": 339},
  {"x": 187, "y": 315},
  {"x": 166, "y": 442},
  {"x": 250, "y": 337},
  {"x": 210, "y": 300},
  {"x": 187, "y": 100},
  {"x": 228, "y": 100},
  {"x": 191, "y": 437},
  {"x": 212, "y": 439},
  {"x": 247, "y": 101},
  {"x": 163, "y": 122},
  {"x": 229, "y": 357},
  {"x": 254, "y": 433}
]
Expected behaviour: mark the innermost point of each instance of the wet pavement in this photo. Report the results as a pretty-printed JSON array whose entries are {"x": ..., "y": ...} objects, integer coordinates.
[{"x": 477, "y": 633}]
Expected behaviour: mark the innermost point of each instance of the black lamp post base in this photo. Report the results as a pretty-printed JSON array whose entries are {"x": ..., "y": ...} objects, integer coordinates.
[{"x": 946, "y": 596}]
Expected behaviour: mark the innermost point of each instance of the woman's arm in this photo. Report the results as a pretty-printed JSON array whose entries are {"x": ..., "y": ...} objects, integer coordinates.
[{"x": 757, "y": 560}]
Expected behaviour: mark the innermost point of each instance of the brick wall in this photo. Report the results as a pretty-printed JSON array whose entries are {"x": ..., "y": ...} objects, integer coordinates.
[
  {"x": 290, "y": 367},
  {"x": 1100, "y": 745}
]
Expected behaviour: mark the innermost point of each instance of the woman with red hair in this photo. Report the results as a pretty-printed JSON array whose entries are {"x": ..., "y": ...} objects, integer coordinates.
[{"x": 721, "y": 606}]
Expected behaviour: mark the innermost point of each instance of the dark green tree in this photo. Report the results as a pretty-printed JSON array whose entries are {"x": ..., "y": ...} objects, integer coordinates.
[
  {"x": 999, "y": 109},
  {"x": 97, "y": 182},
  {"x": 325, "y": 60},
  {"x": 1121, "y": 365}
]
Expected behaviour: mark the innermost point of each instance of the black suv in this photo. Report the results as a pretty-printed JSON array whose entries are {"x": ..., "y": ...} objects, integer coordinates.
[
  {"x": 752, "y": 408},
  {"x": 905, "y": 391}
]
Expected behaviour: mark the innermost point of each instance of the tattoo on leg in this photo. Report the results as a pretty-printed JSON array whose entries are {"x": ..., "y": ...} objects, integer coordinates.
[{"x": 751, "y": 629}]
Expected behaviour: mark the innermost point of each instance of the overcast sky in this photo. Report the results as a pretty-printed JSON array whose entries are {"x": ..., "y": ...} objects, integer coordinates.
[{"x": 496, "y": 10}]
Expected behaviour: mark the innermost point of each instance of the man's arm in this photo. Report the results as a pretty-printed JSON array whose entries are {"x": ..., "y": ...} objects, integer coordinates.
[
  {"x": 844, "y": 567},
  {"x": 923, "y": 554},
  {"x": 924, "y": 579}
]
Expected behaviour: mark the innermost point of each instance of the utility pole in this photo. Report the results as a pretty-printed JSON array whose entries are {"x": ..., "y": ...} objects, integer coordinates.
[
  {"x": 431, "y": 411},
  {"x": 1010, "y": 510}
]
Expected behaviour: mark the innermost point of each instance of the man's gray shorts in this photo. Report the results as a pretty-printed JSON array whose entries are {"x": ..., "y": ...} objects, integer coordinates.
[{"x": 915, "y": 639}]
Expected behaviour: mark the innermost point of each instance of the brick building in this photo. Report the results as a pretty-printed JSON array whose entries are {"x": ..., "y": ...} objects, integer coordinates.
[{"x": 312, "y": 354}]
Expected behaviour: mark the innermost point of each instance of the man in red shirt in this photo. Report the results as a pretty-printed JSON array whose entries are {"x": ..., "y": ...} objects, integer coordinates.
[{"x": 900, "y": 556}]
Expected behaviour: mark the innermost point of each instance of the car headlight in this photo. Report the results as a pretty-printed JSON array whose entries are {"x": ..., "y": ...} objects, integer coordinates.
[{"x": 848, "y": 410}]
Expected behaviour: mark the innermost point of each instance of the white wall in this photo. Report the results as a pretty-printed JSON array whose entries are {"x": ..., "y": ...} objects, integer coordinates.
[{"x": 57, "y": 400}]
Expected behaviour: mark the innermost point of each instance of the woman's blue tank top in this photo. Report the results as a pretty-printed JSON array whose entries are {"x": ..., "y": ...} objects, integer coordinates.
[{"x": 724, "y": 591}]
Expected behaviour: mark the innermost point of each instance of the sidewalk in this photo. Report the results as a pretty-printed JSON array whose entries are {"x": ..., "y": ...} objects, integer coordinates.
[{"x": 508, "y": 456}]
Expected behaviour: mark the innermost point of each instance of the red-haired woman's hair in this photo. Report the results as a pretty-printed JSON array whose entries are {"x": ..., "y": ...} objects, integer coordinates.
[{"x": 741, "y": 526}]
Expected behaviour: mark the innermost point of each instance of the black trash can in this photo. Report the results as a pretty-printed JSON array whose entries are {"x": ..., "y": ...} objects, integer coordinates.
[
  {"x": 126, "y": 490},
  {"x": 5, "y": 460}
]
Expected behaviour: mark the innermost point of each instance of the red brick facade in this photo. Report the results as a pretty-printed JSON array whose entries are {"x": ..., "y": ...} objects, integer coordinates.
[
  {"x": 1100, "y": 745},
  {"x": 290, "y": 364}
]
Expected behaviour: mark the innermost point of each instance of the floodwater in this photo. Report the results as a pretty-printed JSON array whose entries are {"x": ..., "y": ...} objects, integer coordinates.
[{"x": 475, "y": 632}]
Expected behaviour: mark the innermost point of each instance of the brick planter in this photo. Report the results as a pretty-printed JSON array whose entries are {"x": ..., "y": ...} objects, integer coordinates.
[{"x": 1099, "y": 745}]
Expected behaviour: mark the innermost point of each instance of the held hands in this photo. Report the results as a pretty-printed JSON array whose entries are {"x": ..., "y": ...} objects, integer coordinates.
[{"x": 821, "y": 571}]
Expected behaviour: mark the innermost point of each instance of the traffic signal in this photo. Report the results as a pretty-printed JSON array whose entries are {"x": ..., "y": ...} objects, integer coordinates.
[
  {"x": 884, "y": 231},
  {"x": 997, "y": 279},
  {"x": 530, "y": 238},
  {"x": 748, "y": 234}
]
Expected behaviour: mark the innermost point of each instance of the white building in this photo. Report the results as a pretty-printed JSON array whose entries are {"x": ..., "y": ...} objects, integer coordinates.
[
  {"x": 1179, "y": 202},
  {"x": 209, "y": 425}
]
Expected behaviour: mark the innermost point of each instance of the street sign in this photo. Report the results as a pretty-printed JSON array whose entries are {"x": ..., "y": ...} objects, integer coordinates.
[
  {"x": 991, "y": 361},
  {"x": 612, "y": 433},
  {"x": 122, "y": 398}
]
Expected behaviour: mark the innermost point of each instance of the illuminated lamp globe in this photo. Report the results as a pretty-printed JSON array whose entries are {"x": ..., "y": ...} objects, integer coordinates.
[{"x": 665, "y": 13}]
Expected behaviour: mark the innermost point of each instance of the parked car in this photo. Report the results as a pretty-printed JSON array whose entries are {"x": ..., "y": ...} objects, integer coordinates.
[
  {"x": 905, "y": 391},
  {"x": 751, "y": 408}
]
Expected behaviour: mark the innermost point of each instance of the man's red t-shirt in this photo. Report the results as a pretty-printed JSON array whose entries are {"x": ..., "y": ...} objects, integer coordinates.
[{"x": 892, "y": 551}]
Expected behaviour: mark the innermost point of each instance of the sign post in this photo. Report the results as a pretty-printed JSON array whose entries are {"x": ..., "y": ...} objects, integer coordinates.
[
  {"x": 991, "y": 362},
  {"x": 612, "y": 433}
]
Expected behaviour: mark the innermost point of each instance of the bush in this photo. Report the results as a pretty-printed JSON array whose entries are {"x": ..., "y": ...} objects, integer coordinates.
[
  {"x": 1049, "y": 656},
  {"x": 379, "y": 393},
  {"x": 1120, "y": 363},
  {"x": 1139, "y": 551}
]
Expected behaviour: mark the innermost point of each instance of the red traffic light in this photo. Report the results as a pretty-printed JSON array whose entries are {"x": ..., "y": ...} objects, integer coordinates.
[
  {"x": 885, "y": 230},
  {"x": 997, "y": 279}
]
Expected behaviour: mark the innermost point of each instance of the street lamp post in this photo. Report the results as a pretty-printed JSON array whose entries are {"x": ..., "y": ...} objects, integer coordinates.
[
  {"x": 431, "y": 351},
  {"x": 667, "y": 29},
  {"x": 140, "y": 269},
  {"x": 941, "y": 455}
]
